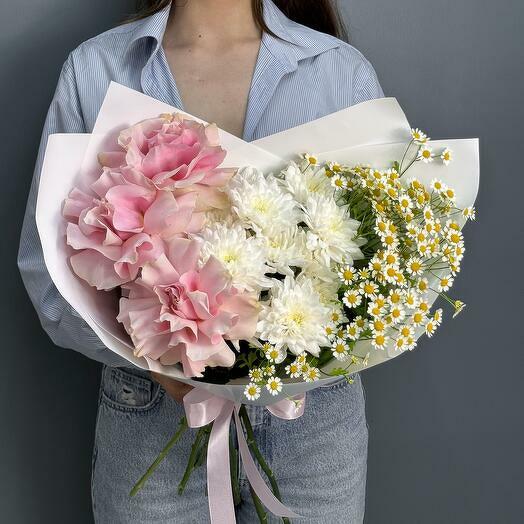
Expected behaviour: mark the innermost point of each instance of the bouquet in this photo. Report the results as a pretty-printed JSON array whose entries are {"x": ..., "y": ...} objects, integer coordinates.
[{"x": 254, "y": 272}]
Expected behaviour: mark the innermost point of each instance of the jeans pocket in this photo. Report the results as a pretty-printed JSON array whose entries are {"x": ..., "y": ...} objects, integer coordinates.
[{"x": 125, "y": 390}]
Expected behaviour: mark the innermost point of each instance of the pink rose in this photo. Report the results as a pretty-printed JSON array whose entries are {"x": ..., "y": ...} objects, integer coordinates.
[
  {"x": 123, "y": 225},
  {"x": 180, "y": 312},
  {"x": 173, "y": 152}
]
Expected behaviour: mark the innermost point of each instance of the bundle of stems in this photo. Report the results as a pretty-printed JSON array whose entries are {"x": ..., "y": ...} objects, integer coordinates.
[{"x": 198, "y": 455}]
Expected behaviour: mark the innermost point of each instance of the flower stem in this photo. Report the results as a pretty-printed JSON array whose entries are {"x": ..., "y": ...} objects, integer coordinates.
[
  {"x": 262, "y": 515},
  {"x": 233, "y": 462},
  {"x": 162, "y": 455},
  {"x": 193, "y": 457},
  {"x": 251, "y": 442}
]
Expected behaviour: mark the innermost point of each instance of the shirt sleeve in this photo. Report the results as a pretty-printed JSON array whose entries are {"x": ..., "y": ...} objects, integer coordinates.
[
  {"x": 62, "y": 323},
  {"x": 366, "y": 85}
]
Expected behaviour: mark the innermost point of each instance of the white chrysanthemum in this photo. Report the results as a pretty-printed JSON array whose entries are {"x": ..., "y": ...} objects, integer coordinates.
[
  {"x": 333, "y": 233},
  {"x": 260, "y": 202},
  {"x": 325, "y": 281},
  {"x": 243, "y": 256},
  {"x": 286, "y": 248},
  {"x": 294, "y": 317},
  {"x": 302, "y": 184}
]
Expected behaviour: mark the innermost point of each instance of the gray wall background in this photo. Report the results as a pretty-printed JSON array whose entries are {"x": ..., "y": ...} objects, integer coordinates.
[{"x": 446, "y": 421}]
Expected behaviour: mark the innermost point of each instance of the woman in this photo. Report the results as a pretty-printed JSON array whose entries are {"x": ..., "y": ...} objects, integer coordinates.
[{"x": 248, "y": 67}]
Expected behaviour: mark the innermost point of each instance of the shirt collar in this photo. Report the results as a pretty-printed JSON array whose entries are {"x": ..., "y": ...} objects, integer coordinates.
[{"x": 295, "y": 42}]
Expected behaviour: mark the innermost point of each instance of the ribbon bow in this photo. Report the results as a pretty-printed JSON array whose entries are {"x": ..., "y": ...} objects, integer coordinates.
[{"x": 202, "y": 408}]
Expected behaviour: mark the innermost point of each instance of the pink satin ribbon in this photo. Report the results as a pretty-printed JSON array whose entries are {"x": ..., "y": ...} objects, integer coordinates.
[{"x": 202, "y": 408}]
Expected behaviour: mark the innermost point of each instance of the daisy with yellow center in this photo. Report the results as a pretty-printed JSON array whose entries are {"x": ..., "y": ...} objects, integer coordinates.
[
  {"x": 406, "y": 331},
  {"x": 418, "y": 317},
  {"x": 274, "y": 386},
  {"x": 437, "y": 316},
  {"x": 353, "y": 331},
  {"x": 414, "y": 266},
  {"x": 352, "y": 298},
  {"x": 430, "y": 327},
  {"x": 397, "y": 314},
  {"x": 422, "y": 285},
  {"x": 252, "y": 391},
  {"x": 425, "y": 154},
  {"x": 338, "y": 182},
  {"x": 293, "y": 370},
  {"x": 269, "y": 370},
  {"x": 437, "y": 185},
  {"x": 368, "y": 288},
  {"x": 340, "y": 349},
  {"x": 312, "y": 374},
  {"x": 445, "y": 283},
  {"x": 418, "y": 136},
  {"x": 380, "y": 341},
  {"x": 347, "y": 274},
  {"x": 469, "y": 213},
  {"x": 256, "y": 374},
  {"x": 446, "y": 156}
]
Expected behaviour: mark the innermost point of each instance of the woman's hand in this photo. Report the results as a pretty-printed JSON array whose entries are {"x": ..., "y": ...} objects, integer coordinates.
[{"x": 174, "y": 388}]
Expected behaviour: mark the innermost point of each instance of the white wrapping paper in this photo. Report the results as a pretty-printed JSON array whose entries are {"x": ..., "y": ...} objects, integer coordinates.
[{"x": 374, "y": 132}]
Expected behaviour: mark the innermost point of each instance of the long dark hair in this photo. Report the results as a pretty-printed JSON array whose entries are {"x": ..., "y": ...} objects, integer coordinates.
[{"x": 322, "y": 15}]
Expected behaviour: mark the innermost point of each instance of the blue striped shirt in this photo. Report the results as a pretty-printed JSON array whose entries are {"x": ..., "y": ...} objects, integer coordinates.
[{"x": 298, "y": 77}]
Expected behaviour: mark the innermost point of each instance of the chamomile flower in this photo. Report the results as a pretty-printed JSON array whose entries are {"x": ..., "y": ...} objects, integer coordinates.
[
  {"x": 446, "y": 156},
  {"x": 395, "y": 297},
  {"x": 400, "y": 343},
  {"x": 406, "y": 331},
  {"x": 469, "y": 213},
  {"x": 380, "y": 341},
  {"x": 293, "y": 369},
  {"x": 269, "y": 370},
  {"x": 397, "y": 313},
  {"x": 352, "y": 298},
  {"x": 437, "y": 316},
  {"x": 378, "y": 325},
  {"x": 347, "y": 274},
  {"x": 368, "y": 288},
  {"x": 418, "y": 136},
  {"x": 445, "y": 283},
  {"x": 415, "y": 266},
  {"x": 276, "y": 355},
  {"x": 376, "y": 306},
  {"x": 430, "y": 327},
  {"x": 338, "y": 316},
  {"x": 425, "y": 153},
  {"x": 310, "y": 158},
  {"x": 256, "y": 374},
  {"x": 274, "y": 385},
  {"x": 312, "y": 374},
  {"x": 330, "y": 330},
  {"x": 340, "y": 349},
  {"x": 353, "y": 331},
  {"x": 252, "y": 391},
  {"x": 418, "y": 317},
  {"x": 411, "y": 299},
  {"x": 437, "y": 185},
  {"x": 338, "y": 182},
  {"x": 422, "y": 285}
]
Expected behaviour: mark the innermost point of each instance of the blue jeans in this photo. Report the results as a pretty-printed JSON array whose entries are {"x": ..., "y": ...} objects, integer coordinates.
[{"x": 319, "y": 459}]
